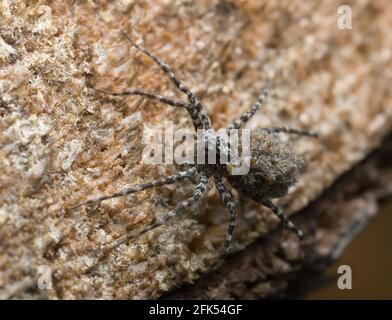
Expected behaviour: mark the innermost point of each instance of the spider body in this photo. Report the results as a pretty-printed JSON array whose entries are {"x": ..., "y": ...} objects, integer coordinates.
[
  {"x": 273, "y": 168},
  {"x": 273, "y": 165}
]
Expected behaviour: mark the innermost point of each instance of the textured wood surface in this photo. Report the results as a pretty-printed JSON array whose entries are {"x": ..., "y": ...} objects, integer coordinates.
[{"x": 62, "y": 143}]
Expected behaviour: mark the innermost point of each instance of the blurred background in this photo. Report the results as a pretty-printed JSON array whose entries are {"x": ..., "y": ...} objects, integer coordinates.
[{"x": 369, "y": 256}]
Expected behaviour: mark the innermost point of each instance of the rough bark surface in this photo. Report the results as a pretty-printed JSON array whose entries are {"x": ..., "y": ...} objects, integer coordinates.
[{"x": 62, "y": 143}]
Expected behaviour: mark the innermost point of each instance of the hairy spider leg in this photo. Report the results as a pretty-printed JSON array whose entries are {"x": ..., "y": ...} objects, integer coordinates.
[
  {"x": 144, "y": 186},
  {"x": 230, "y": 205},
  {"x": 199, "y": 116},
  {"x": 291, "y": 131},
  {"x": 150, "y": 95},
  {"x": 286, "y": 221},
  {"x": 198, "y": 192},
  {"x": 238, "y": 123}
]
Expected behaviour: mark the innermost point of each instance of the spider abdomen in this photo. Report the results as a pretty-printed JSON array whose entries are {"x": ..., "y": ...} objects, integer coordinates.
[{"x": 273, "y": 167}]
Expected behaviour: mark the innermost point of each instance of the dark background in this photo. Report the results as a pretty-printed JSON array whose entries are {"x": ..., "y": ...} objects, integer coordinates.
[{"x": 370, "y": 257}]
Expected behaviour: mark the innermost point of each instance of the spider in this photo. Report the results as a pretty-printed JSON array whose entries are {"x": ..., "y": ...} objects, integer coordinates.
[{"x": 273, "y": 164}]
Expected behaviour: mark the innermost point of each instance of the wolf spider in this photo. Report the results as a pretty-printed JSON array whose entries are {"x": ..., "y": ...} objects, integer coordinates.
[{"x": 273, "y": 166}]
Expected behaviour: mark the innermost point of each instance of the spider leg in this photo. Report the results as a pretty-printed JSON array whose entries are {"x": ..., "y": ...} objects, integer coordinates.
[
  {"x": 200, "y": 189},
  {"x": 150, "y": 95},
  {"x": 286, "y": 221},
  {"x": 144, "y": 186},
  {"x": 291, "y": 131},
  {"x": 238, "y": 123},
  {"x": 199, "y": 116},
  {"x": 230, "y": 205}
]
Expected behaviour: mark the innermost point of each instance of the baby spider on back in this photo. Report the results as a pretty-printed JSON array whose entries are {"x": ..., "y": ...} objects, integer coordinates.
[{"x": 273, "y": 165}]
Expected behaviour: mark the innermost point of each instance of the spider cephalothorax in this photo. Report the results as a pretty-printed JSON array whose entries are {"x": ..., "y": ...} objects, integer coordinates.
[{"x": 273, "y": 165}]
